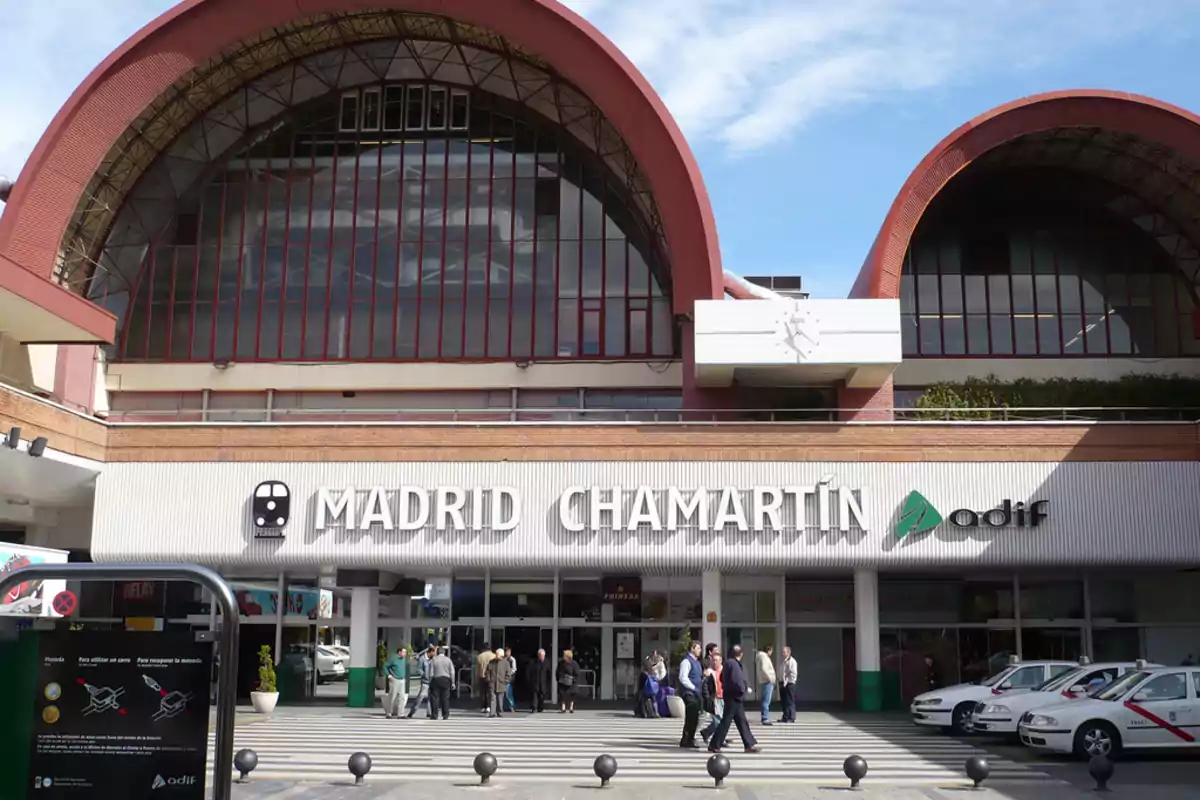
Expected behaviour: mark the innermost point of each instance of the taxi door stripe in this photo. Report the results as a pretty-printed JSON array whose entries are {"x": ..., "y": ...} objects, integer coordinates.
[{"x": 1160, "y": 722}]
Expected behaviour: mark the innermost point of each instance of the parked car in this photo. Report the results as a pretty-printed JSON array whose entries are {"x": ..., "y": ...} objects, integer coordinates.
[
  {"x": 1144, "y": 709},
  {"x": 331, "y": 665},
  {"x": 999, "y": 716},
  {"x": 951, "y": 708}
]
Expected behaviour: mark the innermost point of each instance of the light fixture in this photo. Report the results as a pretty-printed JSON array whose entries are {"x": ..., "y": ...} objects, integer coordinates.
[
  {"x": 13, "y": 440},
  {"x": 222, "y": 363},
  {"x": 38, "y": 446},
  {"x": 522, "y": 364}
]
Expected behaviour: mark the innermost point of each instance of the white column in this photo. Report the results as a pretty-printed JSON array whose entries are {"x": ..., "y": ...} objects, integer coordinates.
[
  {"x": 364, "y": 619},
  {"x": 866, "y": 628},
  {"x": 710, "y": 606}
]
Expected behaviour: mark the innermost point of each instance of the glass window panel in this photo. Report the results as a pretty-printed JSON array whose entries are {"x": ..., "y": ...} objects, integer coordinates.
[
  {"x": 1120, "y": 341},
  {"x": 1096, "y": 334},
  {"x": 663, "y": 330},
  {"x": 1022, "y": 294},
  {"x": 568, "y": 328},
  {"x": 614, "y": 327},
  {"x": 1141, "y": 330},
  {"x": 977, "y": 335},
  {"x": 1043, "y": 253},
  {"x": 927, "y": 294},
  {"x": 1049, "y": 336},
  {"x": 924, "y": 258},
  {"x": 1070, "y": 300},
  {"x": 393, "y": 108},
  {"x": 908, "y": 302},
  {"x": 952, "y": 297},
  {"x": 908, "y": 334},
  {"x": 372, "y": 110},
  {"x": 999, "y": 294},
  {"x": 1117, "y": 289},
  {"x": 1047, "y": 294},
  {"x": 1026, "y": 335},
  {"x": 593, "y": 268},
  {"x": 1073, "y": 334},
  {"x": 614, "y": 268},
  {"x": 438, "y": 108},
  {"x": 416, "y": 108},
  {"x": 975, "y": 287},
  {"x": 1093, "y": 298},
  {"x": 1020, "y": 255},
  {"x": 593, "y": 216},
  {"x": 348, "y": 120},
  {"x": 460, "y": 106},
  {"x": 639, "y": 273},
  {"x": 931, "y": 335},
  {"x": 953, "y": 336},
  {"x": 949, "y": 258},
  {"x": 638, "y": 329},
  {"x": 1002, "y": 333}
]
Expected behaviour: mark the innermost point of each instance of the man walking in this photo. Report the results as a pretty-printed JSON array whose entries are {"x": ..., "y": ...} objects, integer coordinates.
[
  {"x": 499, "y": 676},
  {"x": 481, "y": 664},
  {"x": 690, "y": 677},
  {"x": 441, "y": 682},
  {"x": 787, "y": 685},
  {"x": 733, "y": 685},
  {"x": 765, "y": 665},
  {"x": 423, "y": 666},
  {"x": 540, "y": 675},
  {"x": 396, "y": 670},
  {"x": 510, "y": 693}
]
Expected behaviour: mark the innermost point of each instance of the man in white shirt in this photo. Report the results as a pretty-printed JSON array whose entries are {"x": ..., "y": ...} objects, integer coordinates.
[
  {"x": 765, "y": 665},
  {"x": 787, "y": 685}
]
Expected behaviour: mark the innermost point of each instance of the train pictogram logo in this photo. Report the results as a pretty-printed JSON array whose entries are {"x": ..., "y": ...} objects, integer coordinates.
[{"x": 271, "y": 508}]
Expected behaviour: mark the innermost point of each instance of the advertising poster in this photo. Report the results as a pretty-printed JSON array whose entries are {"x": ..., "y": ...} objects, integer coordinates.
[
  {"x": 120, "y": 714},
  {"x": 625, "y": 645},
  {"x": 32, "y": 598}
]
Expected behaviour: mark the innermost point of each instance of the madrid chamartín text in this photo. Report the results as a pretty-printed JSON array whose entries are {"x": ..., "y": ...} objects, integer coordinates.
[{"x": 579, "y": 508}]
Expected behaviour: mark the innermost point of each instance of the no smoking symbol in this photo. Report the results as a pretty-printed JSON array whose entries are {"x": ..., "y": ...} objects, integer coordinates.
[{"x": 64, "y": 604}]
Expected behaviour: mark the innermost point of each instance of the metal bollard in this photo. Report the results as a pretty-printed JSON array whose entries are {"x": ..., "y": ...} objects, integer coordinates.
[
  {"x": 605, "y": 768},
  {"x": 855, "y": 768},
  {"x": 485, "y": 767},
  {"x": 246, "y": 761},
  {"x": 1101, "y": 770},
  {"x": 718, "y": 769},
  {"x": 359, "y": 765},
  {"x": 978, "y": 769}
]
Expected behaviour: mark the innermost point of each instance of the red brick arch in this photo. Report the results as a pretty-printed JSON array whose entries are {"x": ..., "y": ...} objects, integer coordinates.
[
  {"x": 1145, "y": 118},
  {"x": 139, "y": 71}
]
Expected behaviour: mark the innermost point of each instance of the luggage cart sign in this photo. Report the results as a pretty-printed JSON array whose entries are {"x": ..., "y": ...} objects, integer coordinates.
[{"x": 120, "y": 714}]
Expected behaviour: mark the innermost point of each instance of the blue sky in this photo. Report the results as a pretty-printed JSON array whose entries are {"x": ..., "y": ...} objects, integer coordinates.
[{"x": 806, "y": 115}]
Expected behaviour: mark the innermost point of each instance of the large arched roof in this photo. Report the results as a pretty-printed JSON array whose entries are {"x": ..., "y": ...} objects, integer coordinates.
[
  {"x": 98, "y": 116},
  {"x": 1148, "y": 147}
]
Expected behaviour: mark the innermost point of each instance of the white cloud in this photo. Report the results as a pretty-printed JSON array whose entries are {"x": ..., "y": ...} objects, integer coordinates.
[{"x": 749, "y": 72}]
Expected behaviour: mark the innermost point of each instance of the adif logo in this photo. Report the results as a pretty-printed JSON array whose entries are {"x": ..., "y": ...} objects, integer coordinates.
[
  {"x": 162, "y": 783},
  {"x": 917, "y": 516}
]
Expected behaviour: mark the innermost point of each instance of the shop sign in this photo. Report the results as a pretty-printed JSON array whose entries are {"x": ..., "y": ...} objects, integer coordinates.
[
  {"x": 622, "y": 590},
  {"x": 918, "y": 515},
  {"x": 670, "y": 509},
  {"x": 120, "y": 715}
]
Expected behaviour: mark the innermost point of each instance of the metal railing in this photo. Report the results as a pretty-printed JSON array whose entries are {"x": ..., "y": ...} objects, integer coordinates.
[{"x": 594, "y": 416}]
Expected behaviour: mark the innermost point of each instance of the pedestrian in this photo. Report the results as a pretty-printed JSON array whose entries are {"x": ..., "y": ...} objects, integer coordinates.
[
  {"x": 648, "y": 689},
  {"x": 690, "y": 679},
  {"x": 787, "y": 685},
  {"x": 499, "y": 673},
  {"x": 765, "y": 664},
  {"x": 510, "y": 693},
  {"x": 567, "y": 676},
  {"x": 733, "y": 683},
  {"x": 424, "y": 663},
  {"x": 658, "y": 667},
  {"x": 933, "y": 680},
  {"x": 396, "y": 670},
  {"x": 441, "y": 683},
  {"x": 1190, "y": 661},
  {"x": 540, "y": 676},
  {"x": 713, "y": 695},
  {"x": 481, "y": 663}
]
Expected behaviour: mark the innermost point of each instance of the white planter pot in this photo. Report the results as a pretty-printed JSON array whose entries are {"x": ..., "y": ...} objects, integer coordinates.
[
  {"x": 675, "y": 706},
  {"x": 380, "y": 682},
  {"x": 264, "y": 702}
]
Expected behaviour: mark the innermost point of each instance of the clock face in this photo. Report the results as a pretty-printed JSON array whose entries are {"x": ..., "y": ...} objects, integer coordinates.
[{"x": 797, "y": 332}]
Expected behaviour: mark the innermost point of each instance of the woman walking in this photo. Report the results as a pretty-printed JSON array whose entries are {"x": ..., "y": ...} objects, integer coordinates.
[{"x": 567, "y": 676}]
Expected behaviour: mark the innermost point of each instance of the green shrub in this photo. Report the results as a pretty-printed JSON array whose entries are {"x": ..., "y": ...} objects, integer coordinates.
[
  {"x": 266, "y": 670},
  {"x": 1094, "y": 398}
]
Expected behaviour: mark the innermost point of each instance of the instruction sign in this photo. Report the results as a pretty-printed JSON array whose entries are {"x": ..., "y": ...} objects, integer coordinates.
[{"x": 120, "y": 714}]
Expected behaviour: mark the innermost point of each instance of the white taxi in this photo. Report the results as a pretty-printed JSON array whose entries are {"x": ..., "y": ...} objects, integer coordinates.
[
  {"x": 999, "y": 716},
  {"x": 951, "y": 708},
  {"x": 1145, "y": 709}
]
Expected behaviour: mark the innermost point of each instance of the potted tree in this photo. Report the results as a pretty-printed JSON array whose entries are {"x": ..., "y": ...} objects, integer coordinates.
[
  {"x": 267, "y": 696},
  {"x": 381, "y": 654}
]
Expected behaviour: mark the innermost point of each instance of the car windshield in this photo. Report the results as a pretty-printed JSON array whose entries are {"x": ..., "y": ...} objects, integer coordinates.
[
  {"x": 1118, "y": 688},
  {"x": 999, "y": 676},
  {"x": 1061, "y": 681}
]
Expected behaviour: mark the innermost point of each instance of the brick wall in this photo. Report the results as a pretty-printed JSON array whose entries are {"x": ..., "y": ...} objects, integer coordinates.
[{"x": 866, "y": 405}]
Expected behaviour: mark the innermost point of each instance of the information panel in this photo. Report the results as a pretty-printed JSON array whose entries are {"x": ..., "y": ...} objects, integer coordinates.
[{"x": 120, "y": 714}]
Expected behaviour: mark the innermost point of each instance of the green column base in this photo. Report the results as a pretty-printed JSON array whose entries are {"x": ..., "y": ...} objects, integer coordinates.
[
  {"x": 870, "y": 691},
  {"x": 360, "y": 691}
]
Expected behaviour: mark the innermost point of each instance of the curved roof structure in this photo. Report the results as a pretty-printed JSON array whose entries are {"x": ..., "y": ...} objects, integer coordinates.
[
  {"x": 1148, "y": 148},
  {"x": 132, "y": 107}
]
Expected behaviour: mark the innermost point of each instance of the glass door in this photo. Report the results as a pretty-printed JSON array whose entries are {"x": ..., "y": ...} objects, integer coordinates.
[{"x": 1062, "y": 643}]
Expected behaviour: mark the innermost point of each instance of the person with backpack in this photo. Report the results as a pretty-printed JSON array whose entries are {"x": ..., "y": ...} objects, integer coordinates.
[
  {"x": 649, "y": 687},
  {"x": 567, "y": 675}
]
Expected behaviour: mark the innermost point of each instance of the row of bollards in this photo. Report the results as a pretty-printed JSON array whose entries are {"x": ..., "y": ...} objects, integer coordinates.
[{"x": 718, "y": 766}]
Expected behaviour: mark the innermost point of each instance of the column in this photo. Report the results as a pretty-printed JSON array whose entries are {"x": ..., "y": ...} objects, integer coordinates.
[
  {"x": 866, "y": 627},
  {"x": 364, "y": 613},
  {"x": 555, "y": 653},
  {"x": 710, "y": 603},
  {"x": 281, "y": 605},
  {"x": 607, "y": 654}
]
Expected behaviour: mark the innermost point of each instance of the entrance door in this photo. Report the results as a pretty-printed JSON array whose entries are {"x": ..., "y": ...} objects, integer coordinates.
[
  {"x": 1038, "y": 643},
  {"x": 523, "y": 642}
]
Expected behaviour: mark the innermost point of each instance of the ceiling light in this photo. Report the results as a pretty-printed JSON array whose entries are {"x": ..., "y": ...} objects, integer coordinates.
[
  {"x": 38, "y": 446},
  {"x": 13, "y": 440}
]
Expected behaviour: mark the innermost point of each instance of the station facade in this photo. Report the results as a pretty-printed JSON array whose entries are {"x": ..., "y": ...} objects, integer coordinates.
[{"x": 416, "y": 327}]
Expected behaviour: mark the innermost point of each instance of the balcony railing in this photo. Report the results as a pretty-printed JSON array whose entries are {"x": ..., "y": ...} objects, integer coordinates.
[{"x": 642, "y": 416}]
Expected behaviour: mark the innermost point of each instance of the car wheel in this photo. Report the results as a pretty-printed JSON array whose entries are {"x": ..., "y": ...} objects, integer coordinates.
[
  {"x": 1097, "y": 738},
  {"x": 958, "y": 719},
  {"x": 320, "y": 679}
]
